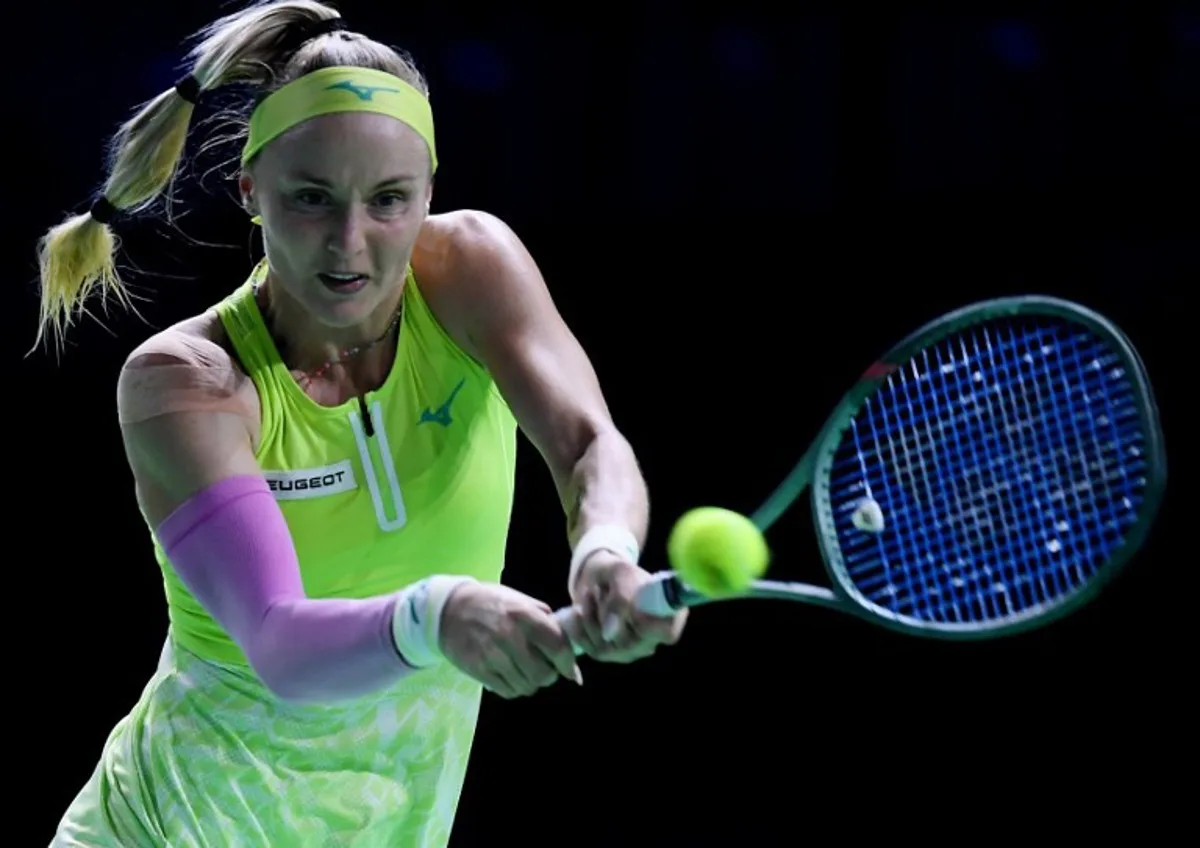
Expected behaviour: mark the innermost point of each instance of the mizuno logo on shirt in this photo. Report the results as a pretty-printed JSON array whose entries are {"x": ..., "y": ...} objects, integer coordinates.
[
  {"x": 305, "y": 483},
  {"x": 441, "y": 415}
]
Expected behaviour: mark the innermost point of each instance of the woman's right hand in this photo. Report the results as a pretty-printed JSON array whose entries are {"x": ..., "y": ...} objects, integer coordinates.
[{"x": 508, "y": 641}]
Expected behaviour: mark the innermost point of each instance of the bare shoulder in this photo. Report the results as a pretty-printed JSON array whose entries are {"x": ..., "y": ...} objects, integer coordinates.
[
  {"x": 189, "y": 415},
  {"x": 198, "y": 341},
  {"x": 473, "y": 268},
  {"x": 188, "y": 367},
  {"x": 455, "y": 247}
]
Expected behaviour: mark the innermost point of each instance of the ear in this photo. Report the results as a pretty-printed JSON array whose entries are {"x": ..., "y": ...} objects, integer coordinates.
[{"x": 246, "y": 189}]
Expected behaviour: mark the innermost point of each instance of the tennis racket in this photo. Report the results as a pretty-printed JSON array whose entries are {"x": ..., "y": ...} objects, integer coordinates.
[{"x": 988, "y": 475}]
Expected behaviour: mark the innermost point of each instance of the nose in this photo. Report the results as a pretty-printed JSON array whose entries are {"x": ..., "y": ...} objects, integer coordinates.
[{"x": 348, "y": 237}]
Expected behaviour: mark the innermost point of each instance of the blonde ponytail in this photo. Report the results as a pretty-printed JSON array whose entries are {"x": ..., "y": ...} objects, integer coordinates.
[{"x": 77, "y": 257}]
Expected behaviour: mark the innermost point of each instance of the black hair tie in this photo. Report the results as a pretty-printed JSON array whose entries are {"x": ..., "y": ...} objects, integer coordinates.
[
  {"x": 294, "y": 38},
  {"x": 102, "y": 210},
  {"x": 188, "y": 88},
  {"x": 299, "y": 34}
]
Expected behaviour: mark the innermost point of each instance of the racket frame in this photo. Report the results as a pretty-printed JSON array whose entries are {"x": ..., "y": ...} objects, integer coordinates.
[
  {"x": 667, "y": 592},
  {"x": 825, "y": 446}
]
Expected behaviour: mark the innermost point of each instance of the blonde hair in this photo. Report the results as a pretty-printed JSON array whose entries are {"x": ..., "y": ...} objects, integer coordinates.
[{"x": 256, "y": 45}]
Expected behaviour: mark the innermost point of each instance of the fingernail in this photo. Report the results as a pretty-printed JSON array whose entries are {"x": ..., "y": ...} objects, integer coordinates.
[
  {"x": 577, "y": 675},
  {"x": 612, "y": 625}
]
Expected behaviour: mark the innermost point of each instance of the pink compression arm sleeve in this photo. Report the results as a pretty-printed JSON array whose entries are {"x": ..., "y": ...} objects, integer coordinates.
[{"x": 231, "y": 547}]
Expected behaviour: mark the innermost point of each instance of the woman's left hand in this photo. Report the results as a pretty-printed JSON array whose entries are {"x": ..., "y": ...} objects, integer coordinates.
[{"x": 610, "y": 628}]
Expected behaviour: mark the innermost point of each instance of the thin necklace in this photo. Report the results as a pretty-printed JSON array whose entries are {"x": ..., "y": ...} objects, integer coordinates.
[
  {"x": 352, "y": 352},
  {"x": 345, "y": 355}
]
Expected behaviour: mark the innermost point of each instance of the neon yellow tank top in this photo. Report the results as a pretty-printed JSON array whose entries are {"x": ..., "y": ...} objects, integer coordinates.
[{"x": 413, "y": 479}]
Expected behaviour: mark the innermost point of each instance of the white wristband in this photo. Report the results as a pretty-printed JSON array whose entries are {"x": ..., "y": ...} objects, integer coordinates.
[
  {"x": 603, "y": 537},
  {"x": 417, "y": 618}
]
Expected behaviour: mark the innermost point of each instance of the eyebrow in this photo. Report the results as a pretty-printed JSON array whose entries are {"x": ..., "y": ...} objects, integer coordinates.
[{"x": 305, "y": 177}]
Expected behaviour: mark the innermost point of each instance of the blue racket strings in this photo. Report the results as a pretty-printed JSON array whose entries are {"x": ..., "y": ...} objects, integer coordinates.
[{"x": 1008, "y": 461}]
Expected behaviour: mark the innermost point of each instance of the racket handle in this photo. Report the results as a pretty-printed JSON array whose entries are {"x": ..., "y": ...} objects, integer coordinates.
[{"x": 654, "y": 598}]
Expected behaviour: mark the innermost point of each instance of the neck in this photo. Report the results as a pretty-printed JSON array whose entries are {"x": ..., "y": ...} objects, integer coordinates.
[{"x": 358, "y": 357}]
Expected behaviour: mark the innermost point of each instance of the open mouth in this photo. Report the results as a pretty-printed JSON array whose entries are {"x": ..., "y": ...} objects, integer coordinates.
[{"x": 343, "y": 283}]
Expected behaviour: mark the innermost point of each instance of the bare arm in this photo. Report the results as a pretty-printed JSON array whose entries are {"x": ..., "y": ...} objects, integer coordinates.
[
  {"x": 514, "y": 328},
  {"x": 188, "y": 441},
  {"x": 175, "y": 455}
]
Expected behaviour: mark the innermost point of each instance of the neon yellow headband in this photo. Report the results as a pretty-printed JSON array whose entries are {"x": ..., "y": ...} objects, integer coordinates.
[{"x": 339, "y": 89}]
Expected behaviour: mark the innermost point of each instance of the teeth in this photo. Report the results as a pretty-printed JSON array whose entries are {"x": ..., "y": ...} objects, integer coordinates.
[{"x": 344, "y": 277}]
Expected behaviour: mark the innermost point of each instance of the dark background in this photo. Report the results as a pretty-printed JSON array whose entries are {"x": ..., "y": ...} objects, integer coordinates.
[{"x": 736, "y": 210}]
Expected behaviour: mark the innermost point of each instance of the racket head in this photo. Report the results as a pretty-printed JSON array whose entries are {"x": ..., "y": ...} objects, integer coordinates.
[{"x": 1006, "y": 531}]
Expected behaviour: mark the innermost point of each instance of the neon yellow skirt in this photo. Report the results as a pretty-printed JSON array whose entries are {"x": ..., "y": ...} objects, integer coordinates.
[{"x": 209, "y": 758}]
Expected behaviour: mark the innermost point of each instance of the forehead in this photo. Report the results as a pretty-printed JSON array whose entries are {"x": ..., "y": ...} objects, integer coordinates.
[{"x": 349, "y": 146}]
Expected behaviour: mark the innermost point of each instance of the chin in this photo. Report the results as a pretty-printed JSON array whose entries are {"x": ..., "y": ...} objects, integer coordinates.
[
  {"x": 343, "y": 311},
  {"x": 344, "y": 314}
]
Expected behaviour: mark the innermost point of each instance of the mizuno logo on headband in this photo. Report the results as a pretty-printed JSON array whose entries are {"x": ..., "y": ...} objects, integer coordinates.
[
  {"x": 362, "y": 92},
  {"x": 323, "y": 92}
]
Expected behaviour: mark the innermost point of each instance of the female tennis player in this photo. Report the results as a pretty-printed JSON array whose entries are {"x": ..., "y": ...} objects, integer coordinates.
[{"x": 326, "y": 463}]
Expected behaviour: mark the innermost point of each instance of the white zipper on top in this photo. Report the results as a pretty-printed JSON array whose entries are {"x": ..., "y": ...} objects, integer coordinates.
[{"x": 374, "y": 426}]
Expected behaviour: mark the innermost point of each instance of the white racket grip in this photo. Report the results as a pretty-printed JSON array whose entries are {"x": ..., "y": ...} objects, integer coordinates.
[{"x": 651, "y": 599}]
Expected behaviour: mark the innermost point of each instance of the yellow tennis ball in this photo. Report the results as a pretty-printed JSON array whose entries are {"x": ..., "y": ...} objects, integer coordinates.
[{"x": 716, "y": 551}]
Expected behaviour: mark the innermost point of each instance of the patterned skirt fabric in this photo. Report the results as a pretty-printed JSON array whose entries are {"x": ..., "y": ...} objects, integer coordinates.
[{"x": 209, "y": 758}]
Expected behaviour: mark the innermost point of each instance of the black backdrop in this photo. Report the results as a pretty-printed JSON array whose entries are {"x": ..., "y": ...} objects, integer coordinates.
[{"x": 736, "y": 209}]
